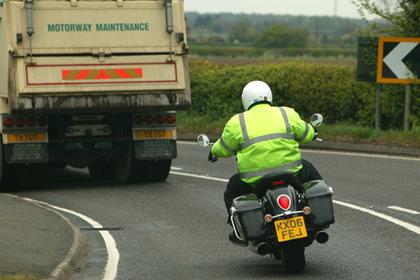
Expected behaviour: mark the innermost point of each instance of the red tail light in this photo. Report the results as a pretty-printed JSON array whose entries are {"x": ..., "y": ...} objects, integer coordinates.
[
  {"x": 20, "y": 122},
  {"x": 278, "y": 183},
  {"x": 160, "y": 119},
  {"x": 149, "y": 119},
  {"x": 8, "y": 122},
  {"x": 31, "y": 122},
  {"x": 138, "y": 119},
  {"x": 171, "y": 119},
  {"x": 284, "y": 202}
]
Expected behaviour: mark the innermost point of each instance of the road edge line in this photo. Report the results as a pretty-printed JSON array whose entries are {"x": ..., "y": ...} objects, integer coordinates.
[{"x": 111, "y": 268}]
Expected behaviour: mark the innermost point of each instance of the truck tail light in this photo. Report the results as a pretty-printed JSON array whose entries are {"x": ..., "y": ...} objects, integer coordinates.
[
  {"x": 149, "y": 119},
  {"x": 42, "y": 121},
  {"x": 160, "y": 119},
  {"x": 20, "y": 122},
  {"x": 8, "y": 122},
  {"x": 31, "y": 122},
  {"x": 171, "y": 119}
]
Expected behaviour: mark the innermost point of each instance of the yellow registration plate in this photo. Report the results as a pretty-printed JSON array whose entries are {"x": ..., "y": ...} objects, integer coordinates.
[
  {"x": 290, "y": 229},
  {"x": 154, "y": 134},
  {"x": 26, "y": 137}
]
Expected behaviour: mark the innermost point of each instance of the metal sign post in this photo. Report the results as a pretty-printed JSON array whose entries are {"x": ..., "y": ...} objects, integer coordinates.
[
  {"x": 378, "y": 107},
  {"x": 407, "y": 107}
]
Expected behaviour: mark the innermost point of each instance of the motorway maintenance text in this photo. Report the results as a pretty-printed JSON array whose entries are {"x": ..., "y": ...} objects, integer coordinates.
[{"x": 99, "y": 27}]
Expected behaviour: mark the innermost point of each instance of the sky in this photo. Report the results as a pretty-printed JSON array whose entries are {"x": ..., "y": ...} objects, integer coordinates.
[{"x": 344, "y": 8}]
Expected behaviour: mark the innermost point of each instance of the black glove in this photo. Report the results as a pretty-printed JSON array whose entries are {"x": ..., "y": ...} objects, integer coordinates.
[{"x": 212, "y": 158}]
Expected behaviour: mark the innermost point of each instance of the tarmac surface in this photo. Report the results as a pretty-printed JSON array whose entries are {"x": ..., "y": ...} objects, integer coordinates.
[
  {"x": 33, "y": 240},
  {"x": 37, "y": 240}
]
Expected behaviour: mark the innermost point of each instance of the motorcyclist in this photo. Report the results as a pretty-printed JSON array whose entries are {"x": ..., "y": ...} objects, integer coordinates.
[{"x": 265, "y": 139}]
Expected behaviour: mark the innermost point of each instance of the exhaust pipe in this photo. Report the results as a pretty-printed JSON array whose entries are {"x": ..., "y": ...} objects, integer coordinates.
[
  {"x": 261, "y": 248},
  {"x": 322, "y": 237}
]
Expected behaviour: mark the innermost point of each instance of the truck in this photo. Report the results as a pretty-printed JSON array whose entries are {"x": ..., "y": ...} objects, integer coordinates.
[{"x": 92, "y": 83}]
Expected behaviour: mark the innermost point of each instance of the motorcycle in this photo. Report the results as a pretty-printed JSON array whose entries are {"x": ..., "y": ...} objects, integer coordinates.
[{"x": 283, "y": 216}]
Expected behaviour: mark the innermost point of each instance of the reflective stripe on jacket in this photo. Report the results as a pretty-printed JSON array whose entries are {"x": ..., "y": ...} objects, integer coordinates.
[{"x": 265, "y": 139}]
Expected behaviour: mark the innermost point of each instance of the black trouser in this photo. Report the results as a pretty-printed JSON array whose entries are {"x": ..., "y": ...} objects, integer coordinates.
[{"x": 237, "y": 187}]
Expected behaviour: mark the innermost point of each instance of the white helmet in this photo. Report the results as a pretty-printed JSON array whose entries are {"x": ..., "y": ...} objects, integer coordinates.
[{"x": 255, "y": 92}]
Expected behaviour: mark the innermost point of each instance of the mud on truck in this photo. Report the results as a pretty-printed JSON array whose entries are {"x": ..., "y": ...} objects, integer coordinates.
[{"x": 92, "y": 84}]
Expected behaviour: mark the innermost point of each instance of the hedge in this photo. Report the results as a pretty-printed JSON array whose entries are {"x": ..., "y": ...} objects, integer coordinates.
[
  {"x": 329, "y": 89},
  {"x": 253, "y": 52}
]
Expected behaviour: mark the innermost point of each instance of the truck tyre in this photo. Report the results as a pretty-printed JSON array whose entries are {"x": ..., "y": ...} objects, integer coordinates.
[
  {"x": 6, "y": 172},
  {"x": 129, "y": 170},
  {"x": 57, "y": 165},
  {"x": 3, "y": 165},
  {"x": 159, "y": 170},
  {"x": 100, "y": 170},
  {"x": 149, "y": 171},
  {"x": 121, "y": 167}
]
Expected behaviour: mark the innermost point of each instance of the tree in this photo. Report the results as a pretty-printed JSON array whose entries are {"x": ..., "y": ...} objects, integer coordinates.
[
  {"x": 403, "y": 19},
  {"x": 242, "y": 31},
  {"x": 282, "y": 36}
]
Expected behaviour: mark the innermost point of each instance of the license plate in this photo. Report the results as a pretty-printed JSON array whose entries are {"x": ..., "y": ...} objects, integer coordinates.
[
  {"x": 154, "y": 134},
  {"x": 26, "y": 137},
  {"x": 290, "y": 229}
]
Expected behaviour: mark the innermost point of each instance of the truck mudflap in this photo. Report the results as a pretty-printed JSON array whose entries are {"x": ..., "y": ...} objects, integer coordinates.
[
  {"x": 26, "y": 153},
  {"x": 155, "y": 149}
]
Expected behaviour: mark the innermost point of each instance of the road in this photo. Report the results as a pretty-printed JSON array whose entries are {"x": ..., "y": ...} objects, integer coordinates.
[{"x": 177, "y": 229}]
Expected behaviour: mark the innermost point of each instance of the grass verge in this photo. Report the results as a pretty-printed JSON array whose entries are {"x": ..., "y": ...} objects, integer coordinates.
[{"x": 188, "y": 123}]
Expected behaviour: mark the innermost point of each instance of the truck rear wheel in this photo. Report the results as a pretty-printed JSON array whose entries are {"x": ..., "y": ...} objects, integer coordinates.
[
  {"x": 149, "y": 171},
  {"x": 3, "y": 164},
  {"x": 100, "y": 170},
  {"x": 7, "y": 172},
  {"x": 130, "y": 170},
  {"x": 158, "y": 171}
]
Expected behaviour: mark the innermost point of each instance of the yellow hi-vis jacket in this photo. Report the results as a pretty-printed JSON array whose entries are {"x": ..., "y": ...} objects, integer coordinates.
[{"x": 265, "y": 139}]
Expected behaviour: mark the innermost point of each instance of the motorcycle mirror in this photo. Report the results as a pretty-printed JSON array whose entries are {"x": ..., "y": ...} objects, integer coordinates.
[
  {"x": 203, "y": 140},
  {"x": 317, "y": 119}
]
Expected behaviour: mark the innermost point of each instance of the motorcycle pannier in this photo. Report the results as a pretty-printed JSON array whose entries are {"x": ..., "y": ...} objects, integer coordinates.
[
  {"x": 318, "y": 195},
  {"x": 249, "y": 217}
]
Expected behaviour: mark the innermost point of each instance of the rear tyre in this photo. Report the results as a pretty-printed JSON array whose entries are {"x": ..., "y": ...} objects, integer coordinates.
[
  {"x": 293, "y": 258},
  {"x": 159, "y": 170},
  {"x": 57, "y": 165},
  {"x": 130, "y": 170},
  {"x": 101, "y": 170},
  {"x": 150, "y": 171},
  {"x": 7, "y": 172}
]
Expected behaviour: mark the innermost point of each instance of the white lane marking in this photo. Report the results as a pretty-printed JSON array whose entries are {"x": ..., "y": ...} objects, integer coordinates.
[
  {"x": 390, "y": 219},
  {"x": 187, "y": 142},
  {"x": 176, "y": 168},
  {"x": 339, "y": 153},
  {"x": 200, "y": 176},
  {"x": 356, "y": 154},
  {"x": 111, "y": 267},
  {"x": 403, "y": 210}
]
